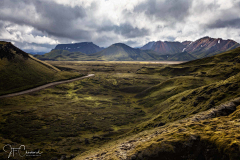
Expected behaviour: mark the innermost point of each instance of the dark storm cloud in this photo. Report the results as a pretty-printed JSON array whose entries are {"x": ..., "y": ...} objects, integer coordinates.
[
  {"x": 167, "y": 10},
  {"x": 101, "y": 41},
  {"x": 55, "y": 19},
  {"x": 39, "y": 45},
  {"x": 1, "y": 26},
  {"x": 132, "y": 43},
  {"x": 234, "y": 23},
  {"x": 126, "y": 30},
  {"x": 227, "y": 19},
  {"x": 106, "y": 22}
]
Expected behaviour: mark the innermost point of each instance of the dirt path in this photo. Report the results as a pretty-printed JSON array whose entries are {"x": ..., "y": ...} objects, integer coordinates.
[{"x": 44, "y": 86}]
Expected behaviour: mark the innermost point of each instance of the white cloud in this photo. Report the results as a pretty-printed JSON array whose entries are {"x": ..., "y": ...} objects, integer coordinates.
[{"x": 43, "y": 24}]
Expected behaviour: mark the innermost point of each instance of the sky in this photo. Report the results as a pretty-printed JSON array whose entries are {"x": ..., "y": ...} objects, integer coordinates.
[{"x": 39, "y": 25}]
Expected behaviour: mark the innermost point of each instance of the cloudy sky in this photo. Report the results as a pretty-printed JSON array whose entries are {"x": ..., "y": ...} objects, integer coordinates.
[{"x": 39, "y": 25}]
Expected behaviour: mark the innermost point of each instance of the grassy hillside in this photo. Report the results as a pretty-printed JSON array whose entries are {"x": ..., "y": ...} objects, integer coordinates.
[
  {"x": 63, "y": 55},
  {"x": 197, "y": 87},
  {"x": 193, "y": 86},
  {"x": 182, "y": 56},
  {"x": 132, "y": 110},
  {"x": 19, "y": 71},
  {"x": 122, "y": 52},
  {"x": 212, "y": 134}
]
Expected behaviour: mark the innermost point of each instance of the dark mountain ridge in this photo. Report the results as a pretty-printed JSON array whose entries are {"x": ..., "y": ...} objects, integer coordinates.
[{"x": 84, "y": 47}]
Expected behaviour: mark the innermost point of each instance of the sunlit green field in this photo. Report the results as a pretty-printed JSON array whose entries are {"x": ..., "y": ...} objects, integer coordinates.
[{"x": 75, "y": 117}]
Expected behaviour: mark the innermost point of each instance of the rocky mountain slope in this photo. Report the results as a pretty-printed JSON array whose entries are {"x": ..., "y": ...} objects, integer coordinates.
[
  {"x": 207, "y": 46},
  {"x": 167, "y": 47},
  {"x": 200, "y": 48},
  {"x": 148, "y": 46},
  {"x": 84, "y": 47}
]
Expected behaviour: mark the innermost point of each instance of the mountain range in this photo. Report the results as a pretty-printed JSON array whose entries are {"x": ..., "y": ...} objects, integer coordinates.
[
  {"x": 200, "y": 48},
  {"x": 152, "y": 51},
  {"x": 116, "y": 52}
]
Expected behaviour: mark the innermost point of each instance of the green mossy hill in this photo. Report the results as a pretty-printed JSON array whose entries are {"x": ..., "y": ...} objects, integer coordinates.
[
  {"x": 195, "y": 113},
  {"x": 212, "y": 134},
  {"x": 176, "y": 103},
  {"x": 193, "y": 87},
  {"x": 217, "y": 67},
  {"x": 19, "y": 71},
  {"x": 182, "y": 56},
  {"x": 122, "y": 52}
]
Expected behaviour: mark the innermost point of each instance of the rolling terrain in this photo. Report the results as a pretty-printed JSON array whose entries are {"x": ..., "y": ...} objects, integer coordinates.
[
  {"x": 132, "y": 110},
  {"x": 20, "y": 71},
  {"x": 196, "y": 108}
]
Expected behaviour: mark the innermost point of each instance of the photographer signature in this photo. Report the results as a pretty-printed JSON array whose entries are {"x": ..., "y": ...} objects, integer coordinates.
[{"x": 17, "y": 150}]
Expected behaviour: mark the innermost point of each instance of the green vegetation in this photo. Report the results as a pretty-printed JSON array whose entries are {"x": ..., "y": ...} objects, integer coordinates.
[
  {"x": 20, "y": 71},
  {"x": 213, "y": 134},
  {"x": 64, "y": 55},
  {"x": 59, "y": 119},
  {"x": 135, "y": 110}
]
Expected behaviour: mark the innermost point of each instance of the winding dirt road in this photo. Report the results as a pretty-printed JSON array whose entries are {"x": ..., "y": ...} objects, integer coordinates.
[{"x": 45, "y": 86}]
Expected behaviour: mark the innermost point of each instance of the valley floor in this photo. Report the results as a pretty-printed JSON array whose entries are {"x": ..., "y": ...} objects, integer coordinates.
[{"x": 75, "y": 117}]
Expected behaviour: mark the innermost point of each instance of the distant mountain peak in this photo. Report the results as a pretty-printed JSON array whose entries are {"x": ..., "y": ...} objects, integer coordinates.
[
  {"x": 165, "y": 47},
  {"x": 84, "y": 47},
  {"x": 120, "y": 44},
  {"x": 206, "y": 37}
]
